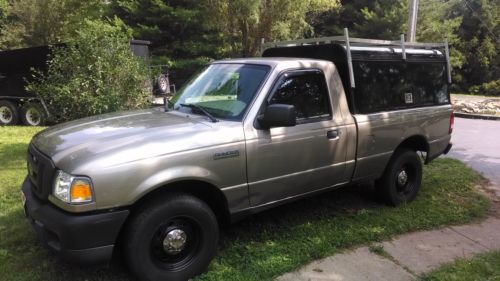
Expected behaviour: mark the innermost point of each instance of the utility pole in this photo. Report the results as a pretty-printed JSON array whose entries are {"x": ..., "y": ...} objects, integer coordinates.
[{"x": 412, "y": 21}]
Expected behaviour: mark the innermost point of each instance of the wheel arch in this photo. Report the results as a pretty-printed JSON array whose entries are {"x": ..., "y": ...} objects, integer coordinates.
[
  {"x": 202, "y": 190},
  {"x": 415, "y": 142}
]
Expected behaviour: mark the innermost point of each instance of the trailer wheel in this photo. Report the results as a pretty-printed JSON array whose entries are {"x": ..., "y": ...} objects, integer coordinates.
[
  {"x": 8, "y": 113},
  {"x": 32, "y": 114},
  {"x": 402, "y": 178}
]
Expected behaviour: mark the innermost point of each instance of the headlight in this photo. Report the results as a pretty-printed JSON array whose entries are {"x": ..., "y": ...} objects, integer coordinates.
[{"x": 71, "y": 189}]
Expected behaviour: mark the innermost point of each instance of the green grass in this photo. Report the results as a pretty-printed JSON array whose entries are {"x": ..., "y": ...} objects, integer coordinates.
[
  {"x": 262, "y": 246},
  {"x": 483, "y": 267}
]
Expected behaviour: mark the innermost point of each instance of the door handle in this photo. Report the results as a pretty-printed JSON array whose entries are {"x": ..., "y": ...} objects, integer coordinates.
[{"x": 333, "y": 135}]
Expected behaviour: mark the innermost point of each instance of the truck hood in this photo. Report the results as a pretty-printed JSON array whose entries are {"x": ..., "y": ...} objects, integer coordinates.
[{"x": 120, "y": 137}]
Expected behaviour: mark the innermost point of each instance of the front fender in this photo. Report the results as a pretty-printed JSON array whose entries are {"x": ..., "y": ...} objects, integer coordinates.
[{"x": 171, "y": 175}]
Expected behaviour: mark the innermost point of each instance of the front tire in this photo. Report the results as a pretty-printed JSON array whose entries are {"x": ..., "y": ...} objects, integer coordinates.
[
  {"x": 402, "y": 178},
  {"x": 173, "y": 238}
]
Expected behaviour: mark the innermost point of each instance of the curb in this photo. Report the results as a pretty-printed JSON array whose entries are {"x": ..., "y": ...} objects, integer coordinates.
[{"x": 476, "y": 116}]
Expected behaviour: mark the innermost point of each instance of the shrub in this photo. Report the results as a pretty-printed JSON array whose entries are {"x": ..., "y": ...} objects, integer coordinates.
[
  {"x": 94, "y": 73},
  {"x": 181, "y": 70},
  {"x": 491, "y": 88}
]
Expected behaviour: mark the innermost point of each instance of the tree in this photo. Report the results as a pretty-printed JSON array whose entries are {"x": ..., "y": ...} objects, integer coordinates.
[
  {"x": 216, "y": 28},
  {"x": 176, "y": 28},
  {"x": 94, "y": 73},
  {"x": 471, "y": 26},
  {"x": 245, "y": 22},
  {"x": 3, "y": 19},
  {"x": 3, "y": 10},
  {"x": 42, "y": 22},
  {"x": 479, "y": 34},
  {"x": 381, "y": 19}
]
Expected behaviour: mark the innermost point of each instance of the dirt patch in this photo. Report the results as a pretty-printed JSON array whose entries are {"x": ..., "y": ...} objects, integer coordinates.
[{"x": 488, "y": 190}]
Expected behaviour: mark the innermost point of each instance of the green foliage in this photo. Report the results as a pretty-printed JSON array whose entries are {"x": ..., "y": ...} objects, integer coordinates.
[
  {"x": 489, "y": 89},
  {"x": 471, "y": 26},
  {"x": 182, "y": 69},
  {"x": 479, "y": 41},
  {"x": 41, "y": 22},
  {"x": 365, "y": 18},
  {"x": 244, "y": 23},
  {"x": 176, "y": 28},
  {"x": 3, "y": 19},
  {"x": 94, "y": 73},
  {"x": 3, "y": 10},
  {"x": 216, "y": 28}
]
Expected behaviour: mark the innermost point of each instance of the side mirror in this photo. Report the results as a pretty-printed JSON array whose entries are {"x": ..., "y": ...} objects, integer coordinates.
[{"x": 278, "y": 115}]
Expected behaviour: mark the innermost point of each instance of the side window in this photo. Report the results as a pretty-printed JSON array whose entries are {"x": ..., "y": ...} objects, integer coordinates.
[
  {"x": 308, "y": 93},
  {"x": 379, "y": 86},
  {"x": 384, "y": 86}
]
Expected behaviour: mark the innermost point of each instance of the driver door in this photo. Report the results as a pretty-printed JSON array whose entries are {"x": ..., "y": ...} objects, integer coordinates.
[{"x": 289, "y": 161}]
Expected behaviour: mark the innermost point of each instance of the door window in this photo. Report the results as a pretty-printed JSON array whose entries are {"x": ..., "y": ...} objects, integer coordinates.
[{"x": 308, "y": 93}]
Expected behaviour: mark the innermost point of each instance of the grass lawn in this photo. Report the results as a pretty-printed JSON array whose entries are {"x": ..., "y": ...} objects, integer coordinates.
[
  {"x": 262, "y": 246},
  {"x": 483, "y": 267}
]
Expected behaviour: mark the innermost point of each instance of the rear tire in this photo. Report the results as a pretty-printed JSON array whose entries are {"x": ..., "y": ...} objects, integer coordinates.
[
  {"x": 172, "y": 238},
  {"x": 402, "y": 178},
  {"x": 8, "y": 113},
  {"x": 32, "y": 114}
]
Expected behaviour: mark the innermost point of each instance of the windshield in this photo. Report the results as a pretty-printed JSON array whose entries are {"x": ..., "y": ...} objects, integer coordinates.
[{"x": 223, "y": 90}]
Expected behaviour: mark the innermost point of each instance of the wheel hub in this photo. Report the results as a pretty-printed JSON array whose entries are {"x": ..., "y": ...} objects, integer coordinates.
[
  {"x": 5, "y": 114},
  {"x": 33, "y": 116},
  {"x": 402, "y": 178},
  {"x": 163, "y": 84},
  {"x": 175, "y": 241}
]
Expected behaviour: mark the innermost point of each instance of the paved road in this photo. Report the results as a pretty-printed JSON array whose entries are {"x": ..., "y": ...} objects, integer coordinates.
[{"x": 477, "y": 143}]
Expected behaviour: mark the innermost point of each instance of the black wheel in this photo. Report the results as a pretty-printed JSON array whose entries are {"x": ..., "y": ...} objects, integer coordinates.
[
  {"x": 402, "y": 178},
  {"x": 163, "y": 84},
  {"x": 8, "y": 113},
  {"x": 32, "y": 114},
  {"x": 173, "y": 238}
]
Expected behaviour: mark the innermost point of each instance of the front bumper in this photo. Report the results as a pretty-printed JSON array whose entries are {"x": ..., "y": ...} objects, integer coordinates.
[{"x": 77, "y": 238}]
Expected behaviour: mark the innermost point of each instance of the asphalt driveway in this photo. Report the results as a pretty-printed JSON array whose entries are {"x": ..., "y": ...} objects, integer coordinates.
[{"x": 477, "y": 143}]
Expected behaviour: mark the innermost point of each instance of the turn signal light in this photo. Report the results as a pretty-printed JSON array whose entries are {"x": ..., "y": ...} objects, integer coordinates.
[{"x": 81, "y": 191}]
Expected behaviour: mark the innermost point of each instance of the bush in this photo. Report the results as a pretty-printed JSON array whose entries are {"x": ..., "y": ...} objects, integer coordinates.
[
  {"x": 182, "y": 70},
  {"x": 94, "y": 73},
  {"x": 491, "y": 88}
]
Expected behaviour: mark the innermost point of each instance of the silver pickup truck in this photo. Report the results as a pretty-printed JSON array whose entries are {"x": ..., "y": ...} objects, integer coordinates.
[{"x": 242, "y": 136}]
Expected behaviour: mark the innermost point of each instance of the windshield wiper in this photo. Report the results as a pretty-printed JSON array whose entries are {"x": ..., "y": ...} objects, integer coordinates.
[{"x": 200, "y": 108}]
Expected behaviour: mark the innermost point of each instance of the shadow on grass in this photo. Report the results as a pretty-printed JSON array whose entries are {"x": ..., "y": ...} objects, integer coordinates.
[
  {"x": 347, "y": 200},
  {"x": 344, "y": 201}
]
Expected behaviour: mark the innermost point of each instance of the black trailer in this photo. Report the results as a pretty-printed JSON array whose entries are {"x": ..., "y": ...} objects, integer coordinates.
[
  {"x": 15, "y": 103},
  {"x": 18, "y": 106}
]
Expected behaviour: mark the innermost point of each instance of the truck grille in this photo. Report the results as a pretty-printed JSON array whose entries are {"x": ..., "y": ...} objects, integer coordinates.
[{"x": 41, "y": 172}]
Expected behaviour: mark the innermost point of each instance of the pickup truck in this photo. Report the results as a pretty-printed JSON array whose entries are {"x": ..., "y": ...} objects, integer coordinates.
[{"x": 242, "y": 136}]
